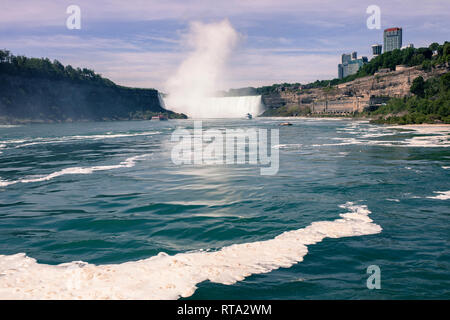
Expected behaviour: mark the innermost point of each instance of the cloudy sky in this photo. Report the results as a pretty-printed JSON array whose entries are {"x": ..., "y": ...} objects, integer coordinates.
[{"x": 139, "y": 43}]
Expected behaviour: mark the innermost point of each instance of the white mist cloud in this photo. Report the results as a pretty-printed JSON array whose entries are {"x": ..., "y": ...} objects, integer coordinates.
[{"x": 201, "y": 74}]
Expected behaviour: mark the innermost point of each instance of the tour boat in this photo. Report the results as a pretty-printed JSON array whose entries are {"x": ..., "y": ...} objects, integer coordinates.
[{"x": 160, "y": 117}]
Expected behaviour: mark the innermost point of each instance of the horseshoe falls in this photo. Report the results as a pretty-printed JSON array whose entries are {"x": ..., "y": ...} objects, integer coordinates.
[{"x": 222, "y": 107}]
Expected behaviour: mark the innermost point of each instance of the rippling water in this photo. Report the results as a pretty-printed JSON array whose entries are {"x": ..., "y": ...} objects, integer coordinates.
[{"x": 348, "y": 195}]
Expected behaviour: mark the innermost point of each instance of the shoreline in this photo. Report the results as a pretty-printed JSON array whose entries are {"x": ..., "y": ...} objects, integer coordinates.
[
  {"x": 363, "y": 118},
  {"x": 330, "y": 117}
]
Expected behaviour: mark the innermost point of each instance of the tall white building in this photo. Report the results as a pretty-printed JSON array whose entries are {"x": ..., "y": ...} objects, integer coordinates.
[{"x": 392, "y": 39}]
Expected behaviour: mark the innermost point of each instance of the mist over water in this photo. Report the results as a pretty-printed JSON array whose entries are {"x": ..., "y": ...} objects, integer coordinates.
[
  {"x": 230, "y": 107},
  {"x": 193, "y": 88}
]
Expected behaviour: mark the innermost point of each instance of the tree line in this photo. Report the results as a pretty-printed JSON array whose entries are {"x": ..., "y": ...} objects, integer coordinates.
[{"x": 44, "y": 68}]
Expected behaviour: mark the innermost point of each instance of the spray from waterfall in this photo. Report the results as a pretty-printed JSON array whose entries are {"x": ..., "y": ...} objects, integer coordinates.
[{"x": 193, "y": 88}]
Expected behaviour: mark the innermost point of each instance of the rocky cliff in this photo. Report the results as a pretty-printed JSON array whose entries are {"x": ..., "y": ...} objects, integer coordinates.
[
  {"x": 29, "y": 99},
  {"x": 349, "y": 97}
]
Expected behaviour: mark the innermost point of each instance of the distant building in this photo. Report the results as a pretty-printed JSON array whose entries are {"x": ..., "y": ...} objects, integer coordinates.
[
  {"x": 346, "y": 58},
  {"x": 392, "y": 39},
  {"x": 409, "y": 45},
  {"x": 376, "y": 49},
  {"x": 350, "y": 64}
]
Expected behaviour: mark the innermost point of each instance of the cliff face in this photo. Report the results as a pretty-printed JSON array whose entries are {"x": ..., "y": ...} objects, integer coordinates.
[
  {"x": 348, "y": 97},
  {"x": 29, "y": 99}
]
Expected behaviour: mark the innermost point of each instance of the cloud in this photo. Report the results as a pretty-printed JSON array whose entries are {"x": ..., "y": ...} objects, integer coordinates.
[
  {"x": 140, "y": 43},
  {"x": 329, "y": 13},
  {"x": 68, "y": 42},
  {"x": 256, "y": 68}
]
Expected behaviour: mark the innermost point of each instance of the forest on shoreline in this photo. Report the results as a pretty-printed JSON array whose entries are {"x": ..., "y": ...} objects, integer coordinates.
[{"x": 40, "y": 90}]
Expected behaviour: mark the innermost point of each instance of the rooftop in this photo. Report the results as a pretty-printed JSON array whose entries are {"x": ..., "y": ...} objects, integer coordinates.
[{"x": 392, "y": 29}]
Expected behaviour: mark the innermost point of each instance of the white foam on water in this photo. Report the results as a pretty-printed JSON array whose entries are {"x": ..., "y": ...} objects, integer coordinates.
[
  {"x": 445, "y": 167},
  {"x": 429, "y": 136},
  {"x": 111, "y": 136},
  {"x": 442, "y": 195},
  {"x": 342, "y": 154},
  {"x": 128, "y": 163},
  {"x": 217, "y": 215},
  {"x": 366, "y": 131},
  {"x": 424, "y": 128},
  {"x": 345, "y": 142},
  {"x": 36, "y": 141},
  {"x": 377, "y": 135},
  {"x": 13, "y": 141},
  {"x": 5, "y": 183},
  {"x": 435, "y": 135},
  {"x": 312, "y": 119},
  {"x": 293, "y": 146},
  {"x": 171, "y": 277}
]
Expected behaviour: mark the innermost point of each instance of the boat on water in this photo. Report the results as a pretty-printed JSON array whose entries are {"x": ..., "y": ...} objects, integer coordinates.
[
  {"x": 249, "y": 116},
  {"x": 160, "y": 118},
  {"x": 285, "y": 124}
]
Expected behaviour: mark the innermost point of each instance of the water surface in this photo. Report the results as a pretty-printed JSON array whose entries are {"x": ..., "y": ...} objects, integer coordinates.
[{"x": 108, "y": 193}]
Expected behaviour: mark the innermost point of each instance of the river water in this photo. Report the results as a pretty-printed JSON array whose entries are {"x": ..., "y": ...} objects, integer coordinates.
[{"x": 100, "y": 210}]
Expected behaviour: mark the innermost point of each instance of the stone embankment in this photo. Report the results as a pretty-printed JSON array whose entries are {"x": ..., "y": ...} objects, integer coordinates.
[{"x": 350, "y": 97}]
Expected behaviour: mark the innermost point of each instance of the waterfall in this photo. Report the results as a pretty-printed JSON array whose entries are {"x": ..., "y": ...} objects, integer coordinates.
[
  {"x": 161, "y": 100},
  {"x": 192, "y": 88},
  {"x": 221, "y": 107},
  {"x": 233, "y": 107}
]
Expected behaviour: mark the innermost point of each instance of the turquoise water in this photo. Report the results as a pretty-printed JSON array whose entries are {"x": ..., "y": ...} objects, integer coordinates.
[{"x": 108, "y": 193}]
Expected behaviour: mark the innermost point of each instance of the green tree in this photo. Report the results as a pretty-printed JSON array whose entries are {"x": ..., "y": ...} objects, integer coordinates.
[
  {"x": 445, "y": 83},
  {"x": 446, "y": 49},
  {"x": 4, "y": 56},
  {"x": 426, "y": 65},
  {"x": 418, "y": 86},
  {"x": 434, "y": 46}
]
